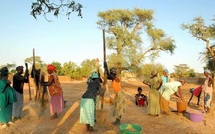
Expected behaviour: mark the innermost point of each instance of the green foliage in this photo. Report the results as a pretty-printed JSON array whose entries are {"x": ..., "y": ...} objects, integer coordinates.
[
  {"x": 44, "y": 7},
  {"x": 69, "y": 69},
  {"x": 38, "y": 62},
  {"x": 191, "y": 73},
  {"x": 199, "y": 30},
  {"x": 87, "y": 67},
  {"x": 124, "y": 28},
  {"x": 183, "y": 71},
  {"x": 146, "y": 69}
]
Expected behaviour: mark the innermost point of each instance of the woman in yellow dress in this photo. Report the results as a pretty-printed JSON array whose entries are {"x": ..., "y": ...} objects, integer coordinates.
[{"x": 153, "y": 104}]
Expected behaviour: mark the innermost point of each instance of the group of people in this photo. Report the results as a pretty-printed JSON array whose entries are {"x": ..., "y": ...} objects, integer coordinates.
[
  {"x": 11, "y": 97},
  {"x": 87, "y": 107},
  {"x": 161, "y": 90},
  {"x": 203, "y": 93}
]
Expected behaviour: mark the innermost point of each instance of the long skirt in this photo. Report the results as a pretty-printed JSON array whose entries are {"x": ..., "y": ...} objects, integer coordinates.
[
  {"x": 208, "y": 100},
  {"x": 119, "y": 104},
  {"x": 6, "y": 113},
  {"x": 87, "y": 111},
  {"x": 56, "y": 104},
  {"x": 18, "y": 105},
  {"x": 7, "y": 98},
  {"x": 153, "y": 106},
  {"x": 164, "y": 104}
]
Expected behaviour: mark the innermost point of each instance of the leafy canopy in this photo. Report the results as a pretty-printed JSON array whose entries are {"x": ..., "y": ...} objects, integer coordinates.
[
  {"x": 125, "y": 29},
  {"x": 44, "y": 7}
]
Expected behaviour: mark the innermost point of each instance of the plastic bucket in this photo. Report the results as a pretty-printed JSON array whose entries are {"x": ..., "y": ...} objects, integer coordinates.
[
  {"x": 181, "y": 106},
  {"x": 130, "y": 129},
  {"x": 196, "y": 116}
]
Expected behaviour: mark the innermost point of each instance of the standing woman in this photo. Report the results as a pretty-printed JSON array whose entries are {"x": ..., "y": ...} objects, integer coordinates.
[
  {"x": 153, "y": 104},
  {"x": 55, "y": 92},
  {"x": 7, "y": 98},
  {"x": 18, "y": 84},
  {"x": 119, "y": 100},
  {"x": 165, "y": 76},
  {"x": 87, "y": 107},
  {"x": 208, "y": 90}
]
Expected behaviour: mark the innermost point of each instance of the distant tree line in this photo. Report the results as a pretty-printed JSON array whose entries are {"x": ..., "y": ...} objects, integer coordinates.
[{"x": 78, "y": 72}]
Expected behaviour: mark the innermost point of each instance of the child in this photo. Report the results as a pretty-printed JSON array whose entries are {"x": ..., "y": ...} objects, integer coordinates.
[
  {"x": 197, "y": 92},
  {"x": 140, "y": 99}
]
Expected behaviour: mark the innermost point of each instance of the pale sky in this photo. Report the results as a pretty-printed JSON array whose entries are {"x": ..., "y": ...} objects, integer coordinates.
[{"x": 78, "y": 39}]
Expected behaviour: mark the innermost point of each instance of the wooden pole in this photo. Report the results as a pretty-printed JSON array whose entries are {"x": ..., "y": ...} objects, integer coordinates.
[
  {"x": 29, "y": 87},
  {"x": 105, "y": 85},
  {"x": 34, "y": 75}
]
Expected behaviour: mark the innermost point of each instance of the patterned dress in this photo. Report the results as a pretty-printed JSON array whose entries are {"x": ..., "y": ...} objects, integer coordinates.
[
  {"x": 56, "y": 93},
  {"x": 207, "y": 93},
  {"x": 119, "y": 100}
]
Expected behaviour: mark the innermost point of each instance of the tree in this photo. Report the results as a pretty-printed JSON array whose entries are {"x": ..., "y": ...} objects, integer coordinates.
[
  {"x": 146, "y": 69},
  {"x": 38, "y": 62},
  {"x": 87, "y": 67},
  {"x": 200, "y": 31},
  {"x": 183, "y": 71},
  {"x": 44, "y": 7},
  {"x": 124, "y": 28},
  {"x": 70, "y": 69}
]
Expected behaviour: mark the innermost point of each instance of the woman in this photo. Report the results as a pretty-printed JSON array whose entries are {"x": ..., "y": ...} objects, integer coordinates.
[
  {"x": 208, "y": 90},
  {"x": 18, "y": 85},
  {"x": 7, "y": 98},
  {"x": 154, "y": 83},
  {"x": 196, "y": 92},
  {"x": 55, "y": 92},
  {"x": 119, "y": 99},
  {"x": 87, "y": 108},
  {"x": 165, "y": 76},
  {"x": 167, "y": 90}
]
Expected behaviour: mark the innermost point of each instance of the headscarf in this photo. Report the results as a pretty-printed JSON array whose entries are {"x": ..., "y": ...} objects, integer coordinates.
[
  {"x": 207, "y": 71},
  {"x": 165, "y": 70},
  {"x": 51, "y": 67},
  {"x": 4, "y": 71},
  {"x": 94, "y": 75}
]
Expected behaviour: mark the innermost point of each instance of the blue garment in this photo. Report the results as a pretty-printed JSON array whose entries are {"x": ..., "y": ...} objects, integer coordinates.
[
  {"x": 87, "y": 111},
  {"x": 165, "y": 79}
]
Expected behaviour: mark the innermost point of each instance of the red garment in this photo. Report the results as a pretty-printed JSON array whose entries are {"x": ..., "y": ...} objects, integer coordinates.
[
  {"x": 141, "y": 102},
  {"x": 197, "y": 91},
  {"x": 51, "y": 67}
]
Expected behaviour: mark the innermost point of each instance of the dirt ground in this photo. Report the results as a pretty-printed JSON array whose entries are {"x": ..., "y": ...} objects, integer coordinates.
[{"x": 68, "y": 123}]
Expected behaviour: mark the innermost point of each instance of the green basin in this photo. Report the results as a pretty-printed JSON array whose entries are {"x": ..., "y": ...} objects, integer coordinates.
[{"x": 130, "y": 129}]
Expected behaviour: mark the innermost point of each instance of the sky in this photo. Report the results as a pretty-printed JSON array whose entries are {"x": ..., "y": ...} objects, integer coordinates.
[{"x": 77, "y": 39}]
